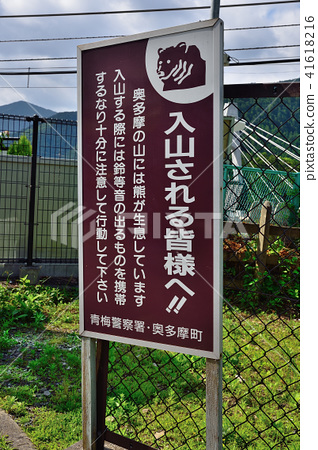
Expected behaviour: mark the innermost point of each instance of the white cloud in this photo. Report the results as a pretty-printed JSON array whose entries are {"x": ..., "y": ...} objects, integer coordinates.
[{"x": 124, "y": 24}]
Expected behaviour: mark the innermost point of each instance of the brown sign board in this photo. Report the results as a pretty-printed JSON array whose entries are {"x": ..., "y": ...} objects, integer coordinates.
[{"x": 150, "y": 181}]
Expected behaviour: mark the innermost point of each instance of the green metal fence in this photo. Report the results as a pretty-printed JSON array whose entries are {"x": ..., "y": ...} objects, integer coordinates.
[{"x": 246, "y": 189}]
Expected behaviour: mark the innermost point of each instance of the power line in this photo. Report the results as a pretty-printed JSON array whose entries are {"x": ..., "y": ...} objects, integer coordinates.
[
  {"x": 260, "y": 28},
  {"x": 95, "y": 13},
  {"x": 260, "y": 48},
  {"x": 57, "y": 58},
  {"x": 45, "y": 72},
  {"x": 134, "y": 11},
  {"x": 266, "y": 59},
  {"x": 74, "y": 71},
  {"x": 272, "y": 61},
  {"x": 40, "y": 68},
  {"x": 60, "y": 39},
  {"x": 38, "y": 87},
  {"x": 261, "y": 4},
  {"x": 77, "y": 38}
]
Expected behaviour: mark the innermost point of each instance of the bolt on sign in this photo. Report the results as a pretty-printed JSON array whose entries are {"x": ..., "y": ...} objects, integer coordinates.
[{"x": 150, "y": 166}]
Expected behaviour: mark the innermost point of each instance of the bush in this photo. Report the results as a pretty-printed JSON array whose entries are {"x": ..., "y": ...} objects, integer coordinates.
[
  {"x": 22, "y": 147},
  {"x": 276, "y": 289},
  {"x": 22, "y": 305}
]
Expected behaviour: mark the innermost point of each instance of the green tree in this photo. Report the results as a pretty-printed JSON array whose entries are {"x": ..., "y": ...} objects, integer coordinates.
[
  {"x": 3, "y": 135},
  {"x": 22, "y": 147}
]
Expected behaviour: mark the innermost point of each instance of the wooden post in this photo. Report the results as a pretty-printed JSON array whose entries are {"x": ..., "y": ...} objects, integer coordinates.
[
  {"x": 94, "y": 389},
  {"x": 213, "y": 404},
  {"x": 263, "y": 237},
  {"x": 101, "y": 385},
  {"x": 89, "y": 393}
]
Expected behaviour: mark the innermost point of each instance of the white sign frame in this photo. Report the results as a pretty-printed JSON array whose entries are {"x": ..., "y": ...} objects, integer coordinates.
[{"x": 217, "y": 256}]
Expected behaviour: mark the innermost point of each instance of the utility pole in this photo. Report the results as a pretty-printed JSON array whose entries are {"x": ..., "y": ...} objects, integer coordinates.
[{"x": 215, "y": 9}]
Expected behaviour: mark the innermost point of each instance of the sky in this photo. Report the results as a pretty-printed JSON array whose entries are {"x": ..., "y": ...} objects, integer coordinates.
[{"x": 58, "y": 92}]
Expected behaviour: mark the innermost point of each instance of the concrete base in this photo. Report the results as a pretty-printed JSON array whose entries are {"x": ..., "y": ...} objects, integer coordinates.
[
  {"x": 9, "y": 270},
  {"x": 14, "y": 434},
  {"x": 32, "y": 272},
  {"x": 59, "y": 270}
]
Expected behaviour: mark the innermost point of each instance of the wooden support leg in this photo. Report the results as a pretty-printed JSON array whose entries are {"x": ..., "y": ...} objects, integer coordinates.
[
  {"x": 101, "y": 382},
  {"x": 213, "y": 404},
  {"x": 89, "y": 393},
  {"x": 94, "y": 389}
]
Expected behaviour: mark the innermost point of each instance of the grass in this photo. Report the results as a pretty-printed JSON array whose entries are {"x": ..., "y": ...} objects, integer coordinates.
[
  {"x": 262, "y": 375},
  {"x": 154, "y": 396},
  {"x": 4, "y": 444}
]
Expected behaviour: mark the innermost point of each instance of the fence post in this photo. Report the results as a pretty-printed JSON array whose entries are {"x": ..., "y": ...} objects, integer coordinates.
[
  {"x": 263, "y": 236},
  {"x": 35, "y": 119},
  {"x": 213, "y": 404}
]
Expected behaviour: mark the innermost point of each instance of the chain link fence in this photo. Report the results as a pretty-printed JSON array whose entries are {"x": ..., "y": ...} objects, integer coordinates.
[
  {"x": 261, "y": 275},
  {"x": 157, "y": 398}
]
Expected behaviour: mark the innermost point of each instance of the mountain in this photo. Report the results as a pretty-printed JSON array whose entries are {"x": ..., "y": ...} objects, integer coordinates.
[
  {"x": 66, "y": 115},
  {"x": 26, "y": 109},
  {"x": 57, "y": 137}
]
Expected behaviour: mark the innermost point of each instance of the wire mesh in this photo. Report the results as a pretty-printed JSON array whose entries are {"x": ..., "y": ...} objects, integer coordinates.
[
  {"x": 57, "y": 210},
  {"x": 261, "y": 275},
  {"x": 55, "y": 238},
  {"x": 245, "y": 186},
  {"x": 157, "y": 397},
  {"x": 14, "y": 189}
]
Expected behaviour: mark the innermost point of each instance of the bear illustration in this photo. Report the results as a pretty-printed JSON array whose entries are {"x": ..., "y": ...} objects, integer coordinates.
[{"x": 181, "y": 67}]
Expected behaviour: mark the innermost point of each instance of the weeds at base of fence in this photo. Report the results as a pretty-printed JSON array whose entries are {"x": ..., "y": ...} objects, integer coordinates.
[{"x": 276, "y": 289}]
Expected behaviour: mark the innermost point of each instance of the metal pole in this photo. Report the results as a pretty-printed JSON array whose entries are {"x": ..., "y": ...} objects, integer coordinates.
[
  {"x": 35, "y": 119},
  {"x": 215, "y": 9}
]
